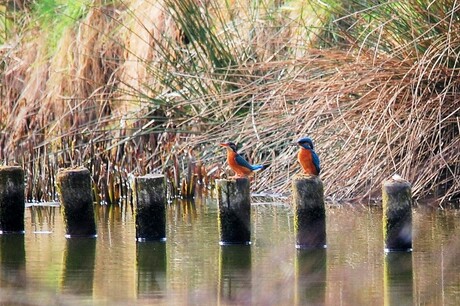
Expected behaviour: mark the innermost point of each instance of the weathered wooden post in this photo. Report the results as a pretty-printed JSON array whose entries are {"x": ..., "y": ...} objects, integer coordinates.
[
  {"x": 309, "y": 211},
  {"x": 149, "y": 195},
  {"x": 234, "y": 204},
  {"x": 12, "y": 200},
  {"x": 74, "y": 189},
  {"x": 397, "y": 214}
]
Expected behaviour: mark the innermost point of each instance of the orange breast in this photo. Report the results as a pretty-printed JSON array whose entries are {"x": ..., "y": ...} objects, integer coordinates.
[
  {"x": 239, "y": 170},
  {"x": 306, "y": 161}
]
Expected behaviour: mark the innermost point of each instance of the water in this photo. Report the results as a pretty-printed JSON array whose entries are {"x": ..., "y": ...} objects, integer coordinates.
[{"x": 42, "y": 267}]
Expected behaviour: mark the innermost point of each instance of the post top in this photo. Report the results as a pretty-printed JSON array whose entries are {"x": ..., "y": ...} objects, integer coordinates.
[
  {"x": 303, "y": 176},
  {"x": 151, "y": 176},
  {"x": 80, "y": 169},
  {"x": 397, "y": 180},
  {"x": 10, "y": 168},
  {"x": 233, "y": 179}
]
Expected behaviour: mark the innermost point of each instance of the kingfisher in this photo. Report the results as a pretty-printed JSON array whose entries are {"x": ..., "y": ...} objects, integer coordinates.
[
  {"x": 307, "y": 157},
  {"x": 238, "y": 164}
]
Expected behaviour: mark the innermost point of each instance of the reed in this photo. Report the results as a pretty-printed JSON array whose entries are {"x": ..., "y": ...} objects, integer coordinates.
[{"x": 139, "y": 87}]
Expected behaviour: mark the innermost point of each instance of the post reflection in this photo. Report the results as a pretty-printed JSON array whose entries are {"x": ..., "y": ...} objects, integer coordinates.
[
  {"x": 235, "y": 274},
  {"x": 151, "y": 269},
  {"x": 183, "y": 211},
  {"x": 13, "y": 261},
  {"x": 398, "y": 278},
  {"x": 79, "y": 262},
  {"x": 43, "y": 218},
  {"x": 311, "y": 277}
]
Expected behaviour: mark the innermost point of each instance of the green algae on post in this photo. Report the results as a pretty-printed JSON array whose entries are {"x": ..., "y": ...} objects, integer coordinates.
[
  {"x": 309, "y": 211},
  {"x": 234, "y": 204},
  {"x": 397, "y": 214},
  {"x": 149, "y": 195},
  {"x": 12, "y": 199},
  {"x": 74, "y": 189}
]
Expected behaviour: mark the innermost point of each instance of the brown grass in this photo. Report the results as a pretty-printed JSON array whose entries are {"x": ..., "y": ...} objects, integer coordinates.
[
  {"x": 364, "y": 117},
  {"x": 103, "y": 101}
]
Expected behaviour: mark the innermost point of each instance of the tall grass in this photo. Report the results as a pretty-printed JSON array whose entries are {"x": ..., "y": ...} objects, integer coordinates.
[
  {"x": 55, "y": 17},
  {"x": 137, "y": 87}
]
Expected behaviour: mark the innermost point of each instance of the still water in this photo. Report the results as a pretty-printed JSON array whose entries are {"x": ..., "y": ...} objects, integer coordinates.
[{"x": 42, "y": 267}]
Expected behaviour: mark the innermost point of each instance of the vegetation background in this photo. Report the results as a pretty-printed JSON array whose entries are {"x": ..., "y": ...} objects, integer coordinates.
[{"x": 131, "y": 87}]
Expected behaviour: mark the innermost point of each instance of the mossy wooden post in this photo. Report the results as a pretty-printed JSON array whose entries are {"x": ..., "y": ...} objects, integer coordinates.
[
  {"x": 74, "y": 189},
  {"x": 397, "y": 214},
  {"x": 234, "y": 204},
  {"x": 149, "y": 195},
  {"x": 309, "y": 212},
  {"x": 12, "y": 200}
]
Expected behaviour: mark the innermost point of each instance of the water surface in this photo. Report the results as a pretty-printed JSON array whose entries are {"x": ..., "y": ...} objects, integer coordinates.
[{"x": 42, "y": 267}]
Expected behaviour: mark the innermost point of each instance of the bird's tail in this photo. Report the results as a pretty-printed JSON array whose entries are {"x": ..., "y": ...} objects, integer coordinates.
[{"x": 259, "y": 167}]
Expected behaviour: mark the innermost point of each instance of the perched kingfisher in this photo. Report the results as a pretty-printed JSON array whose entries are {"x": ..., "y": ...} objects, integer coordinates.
[
  {"x": 307, "y": 157},
  {"x": 238, "y": 164}
]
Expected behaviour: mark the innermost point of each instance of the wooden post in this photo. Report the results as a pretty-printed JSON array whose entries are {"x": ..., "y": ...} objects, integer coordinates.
[
  {"x": 234, "y": 204},
  {"x": 149, "y": 195},
  {"x": 309, "y": 212},
  {"x": 397, "y": 214},
  {"x": 74, "y": 189},
  {"x": 12, "y": 199}
]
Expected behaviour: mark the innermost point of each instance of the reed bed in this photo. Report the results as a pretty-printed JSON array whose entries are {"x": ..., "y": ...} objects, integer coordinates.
[{"x": 138, "y": 87}]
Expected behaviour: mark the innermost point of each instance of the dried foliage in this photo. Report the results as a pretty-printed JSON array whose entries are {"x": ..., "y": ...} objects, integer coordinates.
[
  {"x": 367, "y": 123},
  {"x": 153, "y": 86}
]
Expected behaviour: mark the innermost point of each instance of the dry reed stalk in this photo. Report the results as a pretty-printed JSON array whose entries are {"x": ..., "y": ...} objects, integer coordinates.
[
  {"x": 370, "y": 114},
  {"x": 366, "y": 121}
]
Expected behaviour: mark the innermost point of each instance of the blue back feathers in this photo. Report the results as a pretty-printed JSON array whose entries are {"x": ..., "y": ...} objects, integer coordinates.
[
  {"x": 316, "y": 161},
  {"x": 242, "y": 162}
]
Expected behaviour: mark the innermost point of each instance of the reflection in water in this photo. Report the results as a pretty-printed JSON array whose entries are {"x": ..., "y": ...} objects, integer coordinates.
[
  {"x": 79, "y": 258},
  {"x": 311, "y": 277},
  {"x": 115, "y": 272},
  {"x": 183, "y": 211},
  {"x": 235, "y": 274},
  {"x": 354, "y": 256},
  {"x": 43, "y": 218},
  {"x": 398, "y": 280},
  {"x": 190, "y": 268},
  {"x": 436, "y": 256},
  {"x": 192, "y": 252},
  {"x": 151, "y": 269},
  {"x": 13, "y": 261}
]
